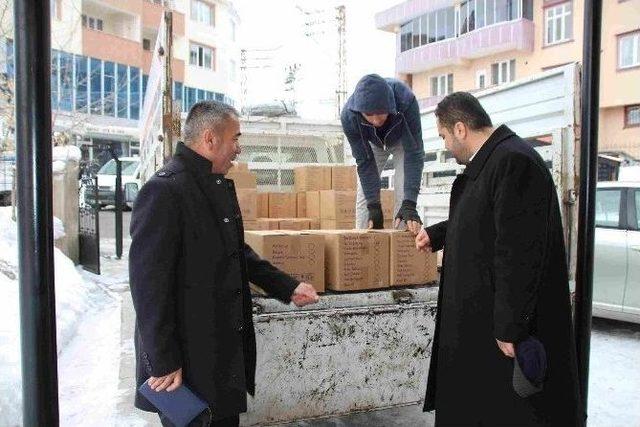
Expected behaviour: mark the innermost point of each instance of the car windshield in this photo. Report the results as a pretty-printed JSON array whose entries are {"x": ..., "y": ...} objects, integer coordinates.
[{"x": 128, "y": 167}]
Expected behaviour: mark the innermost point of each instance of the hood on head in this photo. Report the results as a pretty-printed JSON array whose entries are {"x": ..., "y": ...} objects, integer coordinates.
[{"x": 373, "y": 95}]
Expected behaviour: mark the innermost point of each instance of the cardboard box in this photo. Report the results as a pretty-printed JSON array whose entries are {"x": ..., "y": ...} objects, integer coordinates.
[
  {"x": 387, "y": 200},
  {"x": 248, "y": 201},
  {"x": 302, "y": 205},
  {"x": 313, "y": 204},
  {"x": 263, "y": 205},
  {"x": 239, "y": 167},
  {"x": 294, "y": 224},
  {"x": 332, "y": 224},
  {"x": 344, "y": 178},
  {"x": 268, "y": 224},
  {"x": 283, "y": 205},
  {"x": 297, "y": 253},
  {"x": 338, "y": 205},
  {"x": 407, "y": 265},
  {"x": 356, "y": 260},
  {"x": 256, "y": 225},
  {"x": 312, "y": 178},
  {"x": 314, "y": 223},
  {"x": 243, "y": 179}
]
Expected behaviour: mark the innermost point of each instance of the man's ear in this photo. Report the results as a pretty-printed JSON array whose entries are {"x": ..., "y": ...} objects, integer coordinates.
[{"x": 460, "y": 130}]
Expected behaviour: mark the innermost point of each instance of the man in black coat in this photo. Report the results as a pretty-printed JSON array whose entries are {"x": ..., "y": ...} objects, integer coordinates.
[
  {"x": 190, "y": 270},
  {"x": 504, "y": 280}
]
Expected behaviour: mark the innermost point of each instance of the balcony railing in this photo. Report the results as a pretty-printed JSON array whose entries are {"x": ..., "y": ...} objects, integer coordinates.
[{"x": 497, "y": 38}]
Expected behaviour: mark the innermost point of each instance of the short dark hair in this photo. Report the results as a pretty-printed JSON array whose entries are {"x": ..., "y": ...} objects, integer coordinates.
[
  {"x": 206, "y": 115},
  {"x": 462, "y": 107}
]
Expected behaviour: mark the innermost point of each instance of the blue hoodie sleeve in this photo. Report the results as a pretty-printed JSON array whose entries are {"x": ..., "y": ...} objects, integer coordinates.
[
  {"x": 413, "y": 151},
  {"x": 361, "y": 151}
]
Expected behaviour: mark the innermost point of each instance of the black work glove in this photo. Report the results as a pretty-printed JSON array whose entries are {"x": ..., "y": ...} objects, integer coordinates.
[
  {"x": 408, "y": 212},
  {"x": 375, "y": 215}
]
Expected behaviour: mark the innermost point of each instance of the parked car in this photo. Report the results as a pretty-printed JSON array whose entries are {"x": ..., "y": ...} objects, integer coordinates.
[
  {"x": 107, "y": 182},
  {"x": 616, "y": 283}
]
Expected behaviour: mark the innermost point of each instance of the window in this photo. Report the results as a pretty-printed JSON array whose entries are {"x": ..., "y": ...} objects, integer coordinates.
[
  {"x": 481, "y": 79},
  {"x": 416, "y": 33},
  {"x": 632, "y": 116},
  {"x": 123, "y": 91},
  {"x": 55, "y": 71},
  {"x": 558, "y": 23},
  {"x": 134, "y": 93},
  {"x": 202, "y": 12},
  {"x": 503, "y": 72},
  {"x": 66, "y": 81},
  {"x": 109, "y": 88},
  {"x": 146, "y": 44},
  {"x": 629, "y": 50},
  {"x": 442, "y": 85},
  {"x": 232, "y": 70},
  {"x": 608, "y": 208},
  {"x": 177, "y": 92},
  {"x": 201, "y": 56},
  {"x": 95, "y": 86},
  {"x": 93, "y": 23},
  {"x": 82, "y": 84}
]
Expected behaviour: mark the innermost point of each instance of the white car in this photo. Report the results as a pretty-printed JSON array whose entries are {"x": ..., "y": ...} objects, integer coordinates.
[
  {"x": 107, "y": 182},
  {"x": 616, "y": 275}
]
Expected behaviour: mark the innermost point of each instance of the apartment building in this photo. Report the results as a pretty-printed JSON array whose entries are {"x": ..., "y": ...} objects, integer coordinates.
[
  {"x": 452, "y": 45},
  {"x": 101, "y": 58}
]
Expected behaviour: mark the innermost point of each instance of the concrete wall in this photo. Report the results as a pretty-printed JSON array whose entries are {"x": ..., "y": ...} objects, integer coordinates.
[{"x": 65, "y": 207}]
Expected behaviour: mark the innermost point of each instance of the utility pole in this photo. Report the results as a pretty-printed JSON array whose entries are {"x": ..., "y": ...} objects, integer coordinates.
[
  {"x": 167, "y": 93},
  {"x": 341, "y": 91}
]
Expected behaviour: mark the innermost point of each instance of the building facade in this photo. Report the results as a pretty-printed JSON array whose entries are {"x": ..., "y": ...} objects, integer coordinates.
[
  {"x": 466, "y": 45},
  {"x": 101, "y": 58}
]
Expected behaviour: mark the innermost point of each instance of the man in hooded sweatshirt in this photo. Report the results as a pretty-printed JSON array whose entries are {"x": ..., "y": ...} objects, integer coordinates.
[{"x": 382, "y": 118}]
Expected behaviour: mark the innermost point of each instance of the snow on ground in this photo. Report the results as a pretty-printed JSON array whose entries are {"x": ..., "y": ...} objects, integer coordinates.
[{"x": 74, "y": 298}]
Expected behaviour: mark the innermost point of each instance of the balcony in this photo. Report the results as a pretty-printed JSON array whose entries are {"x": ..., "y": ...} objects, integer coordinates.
[
  {"x": 98, "y": 44},
  {"x": 130, "y": 6},
  {"x": 428, "y": 102},
  {"x": 497, "y": 38},
  {"x": 390, "y": 19}
]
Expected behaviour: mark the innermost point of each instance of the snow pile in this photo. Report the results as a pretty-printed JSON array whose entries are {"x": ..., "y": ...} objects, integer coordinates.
[{"x": 73, "y": 299}]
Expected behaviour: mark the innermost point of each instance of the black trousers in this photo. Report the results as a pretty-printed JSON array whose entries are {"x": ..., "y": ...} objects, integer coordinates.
[{"x": 202, "y": 420}]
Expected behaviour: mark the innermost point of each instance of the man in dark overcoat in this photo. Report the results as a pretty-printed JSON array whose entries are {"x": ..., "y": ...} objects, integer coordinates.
[
  {"x": 504, "y": 280},
  {"x": 190, "y": 271}
]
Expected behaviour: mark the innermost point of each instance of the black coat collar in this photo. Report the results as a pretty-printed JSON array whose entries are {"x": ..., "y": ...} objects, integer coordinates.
[
  {"x": 194, "y": 162},
  {"x": 474, "y": 168}
]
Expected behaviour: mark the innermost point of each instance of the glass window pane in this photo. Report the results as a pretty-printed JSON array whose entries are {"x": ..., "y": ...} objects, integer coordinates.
[
  {"x": 502, "y": 11},
  {"x": 55, "y": 71},
  {"x": 568, "y": 24},
  {"x": 464, "y": 22},
  {"x": 193, "y": 55},
  {"x": 434, "y": 86},
  {"x": 432, "y": 27},
  {"x": 66, "y": 81},
  {"x": 109, "y": 92},
  {"x": 450, "y": 83},
  {"x": 208, "y": 58},
  {"x": 441, "y": 24},
  {"x": 633, "y": 116},
  {"x": 82, "y": 85},
  {"x": 503, "y": 72},
  {"x": 123, "y": 91},
  {"x": 512, "y": 70},
  {"x": 201, "y": 96},
  {"x": 514, "y": 9},
  {"x": 410, "y": 35},
  {"x": 608, "y": 208},
  {"x": 495, "y": 69},
  {"x": 558, "y": 32},
  {"x": 450, "y": 23},
  {"x": 527, "y": 9},
  {"x": 95, "y": 89},
  {"x": 480, "y": 13},
  {"x": 491, "y": 9},
  {"x": 134, "y": 89},
  {"x": 472, "y": 15},
  {"x": 423, "y": 29},
  {"x": 416, "y": 32},
  {"x": 177, "y": 91}
]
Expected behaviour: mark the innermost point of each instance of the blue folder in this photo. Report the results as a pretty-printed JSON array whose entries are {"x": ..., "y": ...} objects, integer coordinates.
[{"x": 180, "y": 406}]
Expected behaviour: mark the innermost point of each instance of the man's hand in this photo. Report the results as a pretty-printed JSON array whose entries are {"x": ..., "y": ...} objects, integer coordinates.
[
  {"x": 423, "y": 242},
  {"x": 304, "y": 294},
  {"x": 376, "y": 220},
  {"x": 409, "y": 215},
  {"x": 507, "y": 348},
  {"x": 169, "y": 382}
]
